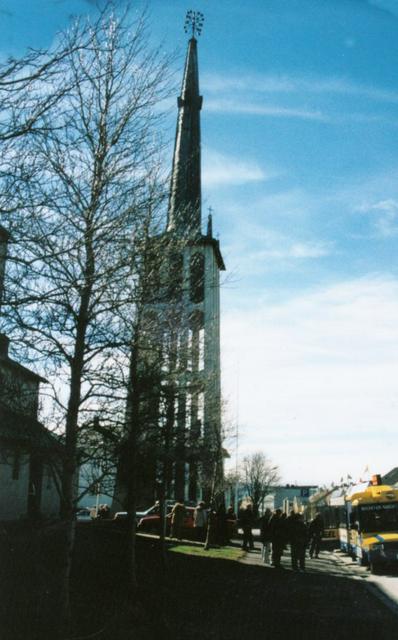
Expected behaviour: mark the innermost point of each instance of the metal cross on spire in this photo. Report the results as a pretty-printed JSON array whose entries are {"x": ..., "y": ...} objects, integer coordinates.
[{"x": 194, "y": 22}]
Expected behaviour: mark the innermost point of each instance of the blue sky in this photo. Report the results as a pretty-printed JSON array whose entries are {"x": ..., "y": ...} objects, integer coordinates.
[{"x": 300, "y": 165}]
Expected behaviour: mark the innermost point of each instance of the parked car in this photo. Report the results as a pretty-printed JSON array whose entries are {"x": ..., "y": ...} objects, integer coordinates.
[
  {"x": 153, "y": 510},
  {"x": 84, "y": 515},
  {"x": 151, "y": 524}
]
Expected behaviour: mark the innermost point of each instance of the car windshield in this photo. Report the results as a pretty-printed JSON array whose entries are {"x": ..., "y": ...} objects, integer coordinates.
[{"x": 379, "y": 517}]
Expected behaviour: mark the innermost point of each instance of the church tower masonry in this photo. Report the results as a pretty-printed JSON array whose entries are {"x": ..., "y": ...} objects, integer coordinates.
[
  {"x": 198, "y": 398},
  {"x": 179, "y": 352}
]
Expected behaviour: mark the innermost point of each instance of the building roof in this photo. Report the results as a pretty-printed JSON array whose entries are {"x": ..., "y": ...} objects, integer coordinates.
[
  {"x": 25, "y": 431},
  {"x": 216, "y": 247},
  {"x": 9, "y": 363},
  {"x": 184, "y": 214}
]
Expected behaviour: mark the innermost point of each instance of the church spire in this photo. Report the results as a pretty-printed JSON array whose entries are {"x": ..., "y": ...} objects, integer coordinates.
[{"x": 184, "y": 214}]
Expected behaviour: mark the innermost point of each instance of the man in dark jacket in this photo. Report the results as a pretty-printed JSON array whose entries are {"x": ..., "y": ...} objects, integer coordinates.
[
  {"x": 298, "y": 538},
  {"x": 278, "y": 537},
  {"x": 246, "y": 521},
  {"x": 315, "y": 533}
]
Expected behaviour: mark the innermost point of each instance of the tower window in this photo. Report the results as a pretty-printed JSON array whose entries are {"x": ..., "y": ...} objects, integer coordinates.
[
  {"x": 175, "y": 276},
  {"x": 16, "y": 466},
  {"x": 201, "y": 358},
  {"x": 197, "y": 273}
]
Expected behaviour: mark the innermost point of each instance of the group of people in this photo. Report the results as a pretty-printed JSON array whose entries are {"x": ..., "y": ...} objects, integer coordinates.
[
  {"x": 217, "y": 519},
  {"x": 278, "y": 530}
]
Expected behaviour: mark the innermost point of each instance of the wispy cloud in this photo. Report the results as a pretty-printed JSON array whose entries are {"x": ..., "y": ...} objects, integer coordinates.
[
  {"x": 336, "y": 100},
  {"x": 386, "y": 216},
  {"x": 387, "y": 6},
  {"x": 261, "y": 249},
  {"x": 285, "y": 249},
  {"x": 221, "y": 169},
  {"x": 245, "y": 107},
  {"x": 285, "y": 84}
]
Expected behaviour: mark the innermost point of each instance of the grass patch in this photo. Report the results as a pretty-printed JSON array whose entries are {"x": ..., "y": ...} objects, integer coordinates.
[{"x": 222, "y": 553}]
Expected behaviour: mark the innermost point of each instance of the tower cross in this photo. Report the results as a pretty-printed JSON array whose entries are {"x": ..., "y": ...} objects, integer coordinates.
[{"x": 194, "y": 22}]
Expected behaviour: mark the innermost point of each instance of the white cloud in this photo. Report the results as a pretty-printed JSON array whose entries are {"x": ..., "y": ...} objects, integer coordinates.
[
  {"x": 255, "y": 262},
  {"x": 285, "y": 84},
  {"x": 259, "y": 248},
  {"x": 220, "y": 169},
  {"x": 318, "y": 378},
  {"x": 249, "y": 94},
  {"x": 308, "y": 250},
  {"x": 245, "y": 107},
  {"x": 386, "y": 211}
]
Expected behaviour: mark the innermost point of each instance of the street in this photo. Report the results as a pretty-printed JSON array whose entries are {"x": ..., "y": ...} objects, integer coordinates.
[{"x": 338, "y": 564}]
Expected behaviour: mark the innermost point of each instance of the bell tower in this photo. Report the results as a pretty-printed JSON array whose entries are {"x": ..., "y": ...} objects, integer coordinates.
[
  {"x": 179, "y": 352},
  {"x": 198, "y": 407}
]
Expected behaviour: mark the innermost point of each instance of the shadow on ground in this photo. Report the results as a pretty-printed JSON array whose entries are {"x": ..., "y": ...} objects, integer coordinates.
[{"x": 194, "y": 599}]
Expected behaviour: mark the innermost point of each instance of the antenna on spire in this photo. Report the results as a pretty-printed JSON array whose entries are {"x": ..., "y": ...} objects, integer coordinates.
[{"x": 194, "y": 22}]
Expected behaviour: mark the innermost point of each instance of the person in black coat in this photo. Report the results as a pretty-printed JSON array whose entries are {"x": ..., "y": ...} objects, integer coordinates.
[
  {"x": 278, "y": 537},
  {"x": 246, "y": 521},
  {"x": 315, "y": 533},
  {"x": 298, "y": 538}
]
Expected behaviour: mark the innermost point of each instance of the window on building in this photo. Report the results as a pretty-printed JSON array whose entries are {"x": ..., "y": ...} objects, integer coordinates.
[
  {"x": 201, "y": 364},
  {"x": 197, "y": 273},
  {"x": 16, "y": 466},
  {"x": 188, "y": 407},
  {"x": 201, "y": 412},
  {"x": 175, "y": 276}
]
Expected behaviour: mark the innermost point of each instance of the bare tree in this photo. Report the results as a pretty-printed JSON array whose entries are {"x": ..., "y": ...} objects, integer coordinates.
[
  {"x": 258, "y": 475},
  {"x": 31, "y": 87},
  {"x": 80, "y": 196}
]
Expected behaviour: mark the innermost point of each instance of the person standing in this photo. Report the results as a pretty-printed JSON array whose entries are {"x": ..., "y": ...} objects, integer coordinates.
[
  {"x": 316, "y": 529},
  {"x": 298, "y": 538},
  {"x": 177, "y": 520},
  {"x": 246, "y": 521},
  {"x": 278, "y": 537},
  {"x": 230, "y": 524},
  {"x": 200, "y": 522},
  {"x": 265, "y": 534}
]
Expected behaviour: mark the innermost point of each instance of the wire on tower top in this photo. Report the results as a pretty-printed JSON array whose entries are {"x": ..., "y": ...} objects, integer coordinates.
[{"x": 194, "y": 22}]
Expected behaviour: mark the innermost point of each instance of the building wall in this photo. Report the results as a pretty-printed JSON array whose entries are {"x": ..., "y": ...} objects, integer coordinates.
[
  {"x": 50, "y": 501},
  {"x": 14, "y": 492},
  {"x": 17, "y": 392},
  {"x": 275, "y": 499}
]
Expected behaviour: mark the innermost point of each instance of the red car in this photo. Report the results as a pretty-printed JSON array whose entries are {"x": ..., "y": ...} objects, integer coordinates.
[{"x": 151, "y": 524}]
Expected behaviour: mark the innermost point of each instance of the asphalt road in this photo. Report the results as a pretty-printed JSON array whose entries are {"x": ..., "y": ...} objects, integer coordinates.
[{"x": 336, "y": 563}]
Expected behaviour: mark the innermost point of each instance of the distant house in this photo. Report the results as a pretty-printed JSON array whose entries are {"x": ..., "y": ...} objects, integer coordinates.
[
  {"x": 284, "y": 497},
  {"x": 29, "y": 453},
  {"x": 291, "y": 496}
]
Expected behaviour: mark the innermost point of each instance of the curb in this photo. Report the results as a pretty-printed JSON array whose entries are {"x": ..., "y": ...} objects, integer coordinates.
[{"x": 378, "y": 592}]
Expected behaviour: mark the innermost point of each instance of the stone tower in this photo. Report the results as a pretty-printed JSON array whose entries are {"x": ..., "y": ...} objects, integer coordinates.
[
  {"x": 178, "y": 376},
  {"x": 187, "y": 299},
  {"x": 199, "y": 403}
]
